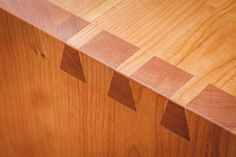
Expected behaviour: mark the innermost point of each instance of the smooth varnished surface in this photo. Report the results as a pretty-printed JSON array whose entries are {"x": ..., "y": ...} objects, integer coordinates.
[
  {"x": 120, "y": 90},
  {"x": 118, "y": 78},
  {"x": 109, "y": 49},
  {"x": 71, "y": 63},
  {"x": 161, "y": 76},
  {"x": 216, "y": 105},
  {"x": 46, "y": 17},
  {"x": 175, "y": 120},
  {"x": 197, "y": 37}
]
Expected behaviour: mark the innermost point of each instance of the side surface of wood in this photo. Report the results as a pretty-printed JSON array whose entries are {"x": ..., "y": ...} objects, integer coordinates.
[
  {"x": 175, "y": 48},
  {"x": 48, "y": 110}
]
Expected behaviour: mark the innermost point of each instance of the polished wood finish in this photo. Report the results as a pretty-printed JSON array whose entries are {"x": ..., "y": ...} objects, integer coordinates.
[
  {"x": 109, "y": 49},
  {"x": 216, "y": 105},
  {"x": 117, "y": 78},
  {"x": 71, "y": 63},
  {"x": 161, "y": 76},
  {"x": 120, "y": 90},
  {"x": 175, "y": 120},
  {"x": 46, "y": 16}
]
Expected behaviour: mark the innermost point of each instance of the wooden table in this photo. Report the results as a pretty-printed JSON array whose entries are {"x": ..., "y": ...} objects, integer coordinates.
[{"x": 118, "y": 78}]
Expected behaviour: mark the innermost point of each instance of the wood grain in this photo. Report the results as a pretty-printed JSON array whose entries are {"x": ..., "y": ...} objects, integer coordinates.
[
  {"x": 174, "y": 119},
  {"x": 71, "y": 63},
  {"x": 217, "y": 106},
  {"x": 161, "y": 77},
  {"x": 147, "y": 53},
  {"x": 69, "y": 28},
  {"x": 120, "y": 90},
  {"x": 45, "y": 16},
  {"x": 109, "y": 49}
]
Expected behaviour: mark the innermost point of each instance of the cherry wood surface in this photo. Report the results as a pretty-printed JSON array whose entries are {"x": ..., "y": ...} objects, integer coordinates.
[{"x": 137, "y": 78}]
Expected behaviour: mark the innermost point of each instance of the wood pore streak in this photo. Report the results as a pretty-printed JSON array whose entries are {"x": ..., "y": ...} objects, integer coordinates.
[
  {"x": 121, "y": 91},
  {"x": 109, "y": 49},
  {"x": 161, "y": 76},
  {"x": 133, "y": 152},
  {"x": 216, "y": 106},
  {"x": 71, "y": 63},
  {"x": 174, "y": 119}
]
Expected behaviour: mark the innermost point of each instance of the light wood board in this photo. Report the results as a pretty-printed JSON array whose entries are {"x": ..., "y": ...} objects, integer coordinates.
[{"x": 118, "y": 78}]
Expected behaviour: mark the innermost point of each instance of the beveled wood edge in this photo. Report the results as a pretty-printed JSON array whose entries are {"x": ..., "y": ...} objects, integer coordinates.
[
  {"x": 222, "y": 123},
  {"x": 49, "y": 32},
  {"x": 216, "y": 123},
  {"x": 130, "y": 78},
  {"x": 35, "y": 26}
]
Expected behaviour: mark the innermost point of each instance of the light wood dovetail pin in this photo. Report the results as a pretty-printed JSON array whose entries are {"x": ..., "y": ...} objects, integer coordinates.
[{"x": 120, "y": 78}]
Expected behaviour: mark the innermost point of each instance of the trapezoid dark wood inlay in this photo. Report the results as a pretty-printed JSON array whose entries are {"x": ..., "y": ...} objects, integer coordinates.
[
  {"x": 121, "y": 91},
  {"x": 71, "y": 63},
  {"x": 174, "y": 119}
]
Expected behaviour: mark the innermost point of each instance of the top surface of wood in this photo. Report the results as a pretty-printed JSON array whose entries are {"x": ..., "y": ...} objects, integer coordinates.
[{"x": 184, "y": 50}]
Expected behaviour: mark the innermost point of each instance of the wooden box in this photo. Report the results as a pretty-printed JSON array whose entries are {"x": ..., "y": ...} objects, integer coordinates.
[{"x": 117, "y": 78}]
